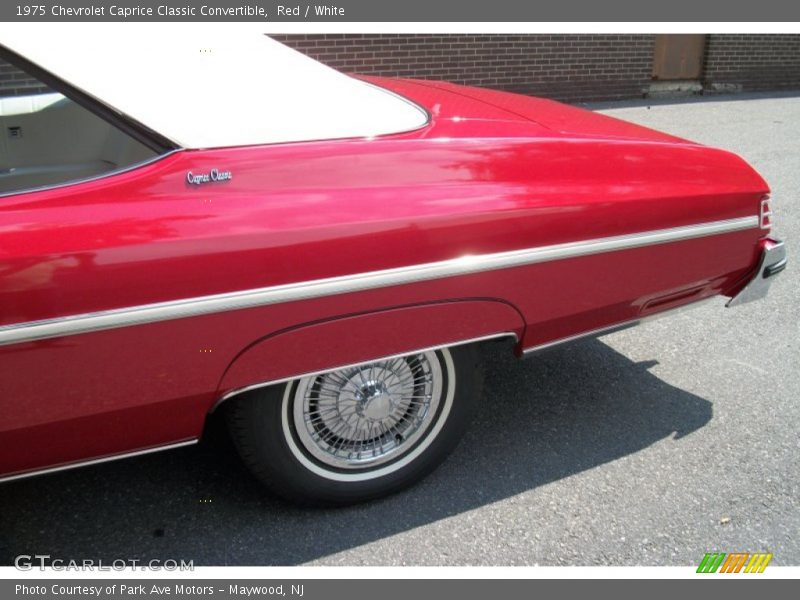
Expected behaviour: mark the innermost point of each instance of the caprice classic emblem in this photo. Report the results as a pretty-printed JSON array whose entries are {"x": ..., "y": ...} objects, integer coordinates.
[{"x": 210, "y": 177}]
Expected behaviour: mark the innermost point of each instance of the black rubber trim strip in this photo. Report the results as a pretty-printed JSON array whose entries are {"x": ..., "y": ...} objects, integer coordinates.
[
  {"x": 775, "y": 269},
  {"x": 152, "y": 139}
]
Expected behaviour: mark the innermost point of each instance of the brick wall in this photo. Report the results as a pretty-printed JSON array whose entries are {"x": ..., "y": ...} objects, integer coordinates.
[
  {"x": 753, "y": 61},
  {"x": 572, "y": 68},
  {"x": 565, "y": 67},
  {"x": 14, "y": 82}
]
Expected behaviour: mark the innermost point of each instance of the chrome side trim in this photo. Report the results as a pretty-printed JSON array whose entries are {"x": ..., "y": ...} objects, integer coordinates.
[
  {"x": 617, "y": 327},
  {"x": 263, "y": 384},
  {"x": 203, "y": 305},
  {"x": 96, "y": 461}
]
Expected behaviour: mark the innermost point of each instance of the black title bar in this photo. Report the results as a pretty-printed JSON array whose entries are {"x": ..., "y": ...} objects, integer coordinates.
[{"x": 440, "y": 11}]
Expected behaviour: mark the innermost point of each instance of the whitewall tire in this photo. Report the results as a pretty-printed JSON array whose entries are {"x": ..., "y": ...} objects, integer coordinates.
[{"x": 357, "y": 433}]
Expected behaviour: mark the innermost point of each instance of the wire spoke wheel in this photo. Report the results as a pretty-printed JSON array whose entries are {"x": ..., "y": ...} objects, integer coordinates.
[
  {"x": 368, "y": 415},
  {"x": 358, "y": 432}
]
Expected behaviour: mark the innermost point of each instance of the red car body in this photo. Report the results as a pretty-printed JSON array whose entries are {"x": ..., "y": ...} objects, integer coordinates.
[{"x": 504, "y": 215}]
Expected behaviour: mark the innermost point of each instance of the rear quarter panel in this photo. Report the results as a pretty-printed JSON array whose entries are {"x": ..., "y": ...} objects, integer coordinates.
[{"x": 301, "y": 212}]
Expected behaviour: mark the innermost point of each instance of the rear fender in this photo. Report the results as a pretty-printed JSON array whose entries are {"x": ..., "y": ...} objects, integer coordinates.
[{"x": 344, "y": 341}]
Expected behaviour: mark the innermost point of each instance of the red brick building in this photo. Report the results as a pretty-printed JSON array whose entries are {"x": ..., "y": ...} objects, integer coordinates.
[{"x": 567, "y": 67}]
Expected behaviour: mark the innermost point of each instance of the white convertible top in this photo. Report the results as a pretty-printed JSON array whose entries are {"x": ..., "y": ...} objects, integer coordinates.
[{"x": 210, "y": 87}]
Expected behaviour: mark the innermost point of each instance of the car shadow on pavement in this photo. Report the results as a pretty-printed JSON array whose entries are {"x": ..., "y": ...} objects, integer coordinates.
[{"x": 562, "y": 412}]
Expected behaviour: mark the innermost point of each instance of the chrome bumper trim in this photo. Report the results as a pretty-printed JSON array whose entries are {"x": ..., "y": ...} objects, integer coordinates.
[{"x": 772, "y": 262}]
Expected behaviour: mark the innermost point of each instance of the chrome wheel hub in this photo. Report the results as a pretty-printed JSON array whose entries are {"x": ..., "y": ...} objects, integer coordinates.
[
  {"x": 367, "y": 415},
  {"x": 374, "y": 401}
]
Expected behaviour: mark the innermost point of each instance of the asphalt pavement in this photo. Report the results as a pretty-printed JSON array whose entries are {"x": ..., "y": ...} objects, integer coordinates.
[{"x": 651, "y": 446}]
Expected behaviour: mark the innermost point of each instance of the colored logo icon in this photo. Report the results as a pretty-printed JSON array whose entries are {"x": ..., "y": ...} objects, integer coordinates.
[{"x": 739, "y": 562}]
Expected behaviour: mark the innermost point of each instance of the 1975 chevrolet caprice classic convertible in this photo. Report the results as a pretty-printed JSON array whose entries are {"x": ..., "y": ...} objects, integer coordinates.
[{"x": 217, "y": 224}]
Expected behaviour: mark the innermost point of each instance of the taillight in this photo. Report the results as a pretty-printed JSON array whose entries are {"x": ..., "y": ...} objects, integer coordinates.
[{"x": 765, "y": 214}]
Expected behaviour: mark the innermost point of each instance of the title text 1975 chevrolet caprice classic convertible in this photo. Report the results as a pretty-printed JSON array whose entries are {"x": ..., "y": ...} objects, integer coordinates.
[{"x": 200, "y": 224}]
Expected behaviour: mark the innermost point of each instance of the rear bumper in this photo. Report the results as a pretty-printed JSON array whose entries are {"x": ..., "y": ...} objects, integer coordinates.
[{"x": 772, "y": 262}]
